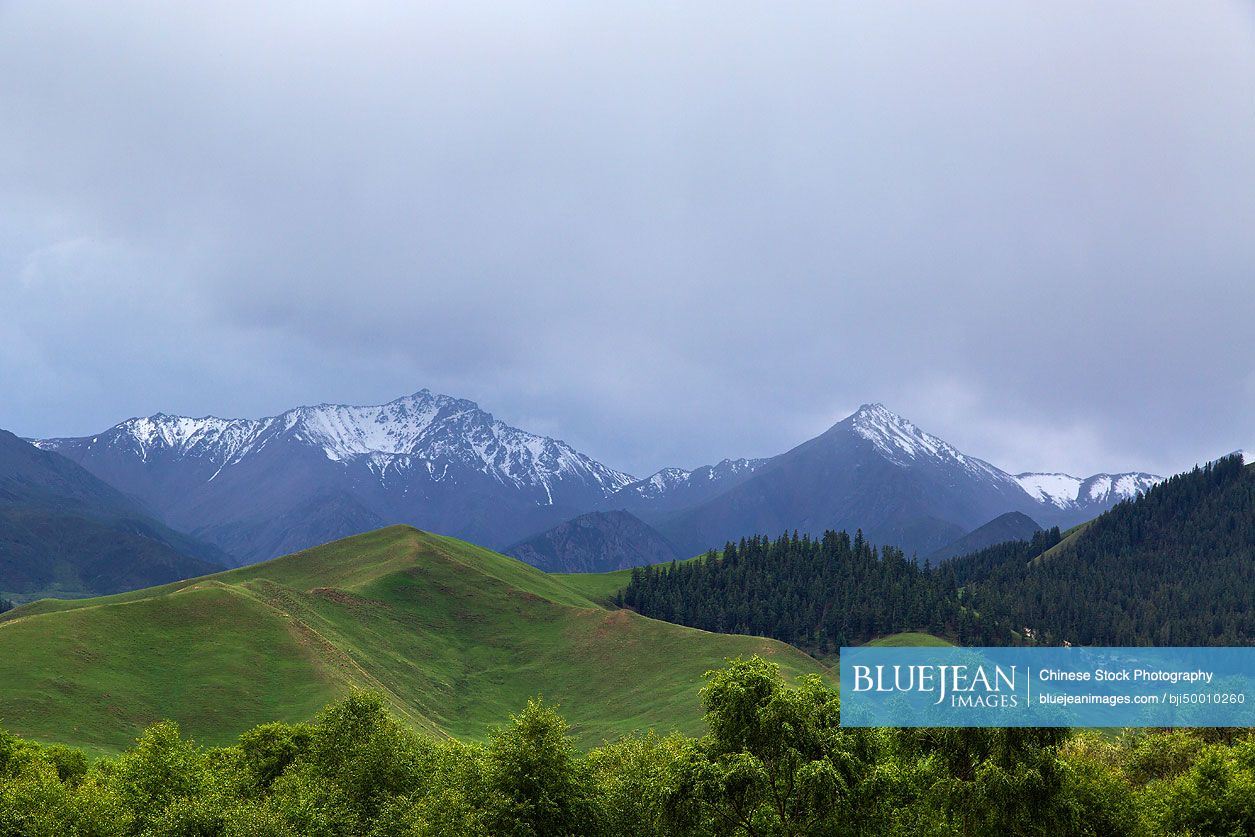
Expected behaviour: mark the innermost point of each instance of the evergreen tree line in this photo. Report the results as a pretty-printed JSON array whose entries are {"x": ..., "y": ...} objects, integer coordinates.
[
  {"x": 1175, "y": 566},
  {"x": 5, "y": 604},
  {"x": 774, "y": 761},
  {"x": 817, "y": 594}
]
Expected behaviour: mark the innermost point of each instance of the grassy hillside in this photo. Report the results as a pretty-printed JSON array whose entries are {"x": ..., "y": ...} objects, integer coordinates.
[
  {"x": 456, "y": 637},
  {"x": 910, "y": 639},
  {"x": 1070, "y": 538},
  {"x": 599, "y": 587}
]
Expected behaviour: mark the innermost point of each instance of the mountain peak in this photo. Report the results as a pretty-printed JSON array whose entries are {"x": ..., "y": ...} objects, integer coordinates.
[
  {"x": 875, "y": 408},
  {"x": 425, "y": 396},
  {"x": 894, "y": 435},
  {"x": 904, "y": 444}
]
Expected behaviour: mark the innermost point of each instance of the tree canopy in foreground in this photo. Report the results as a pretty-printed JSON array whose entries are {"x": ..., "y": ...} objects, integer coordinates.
[{"x": 774, "y": 762}]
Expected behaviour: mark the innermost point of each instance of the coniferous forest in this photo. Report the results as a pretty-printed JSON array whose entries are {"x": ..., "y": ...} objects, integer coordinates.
[
  {"x": 1175, "y": 566},
  {"x": 817, "y": 594}
]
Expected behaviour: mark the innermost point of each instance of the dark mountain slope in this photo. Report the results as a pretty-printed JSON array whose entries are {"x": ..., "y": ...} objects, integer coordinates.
[
  {"x": 1012, "y": 526},
  {"x": 63, "y": 530},
  {"x": 594, "y": 543}
]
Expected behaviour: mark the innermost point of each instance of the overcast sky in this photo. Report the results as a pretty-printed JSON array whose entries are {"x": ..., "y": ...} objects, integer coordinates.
[{"x": 667, "y": 233}]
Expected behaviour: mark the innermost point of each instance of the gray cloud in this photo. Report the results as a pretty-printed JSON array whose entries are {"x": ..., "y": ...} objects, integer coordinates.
[{"x": 666, "y": 233}]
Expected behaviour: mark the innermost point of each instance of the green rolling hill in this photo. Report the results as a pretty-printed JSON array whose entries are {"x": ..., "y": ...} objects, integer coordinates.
[
  {"x": 454, "y": 636},
  {"x": 910, "y": 639}
]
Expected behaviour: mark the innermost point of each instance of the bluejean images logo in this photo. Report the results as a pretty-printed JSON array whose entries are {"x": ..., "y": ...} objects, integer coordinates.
[
  {"x": 963, "y": 685},
  {"x": 1060, "y": 687}
]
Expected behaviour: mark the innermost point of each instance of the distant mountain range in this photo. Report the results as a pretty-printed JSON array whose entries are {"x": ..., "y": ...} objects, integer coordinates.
[
  {"x": 64, "y": 531},
  {"x": 1088, "y": 496},
  {"x": 258, "y": 488}
]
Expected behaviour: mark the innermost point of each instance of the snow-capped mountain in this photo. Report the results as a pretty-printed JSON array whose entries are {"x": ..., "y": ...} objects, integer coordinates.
[
  {"x": 424, "y": 430},
  {"x": 877, "y": 471},
  {"x": 427, "y": 459},
  {"x": 1067, "y": 492},
  {"x": 906, "y": 445},
  {"x": 660, "y": 483}
]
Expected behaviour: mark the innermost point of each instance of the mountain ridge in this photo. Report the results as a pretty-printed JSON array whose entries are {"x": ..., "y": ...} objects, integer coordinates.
[
  {"x": 1068, "y": 492},
  {"x": 258, "y": 488},
  {"x": 393, "y": 434},
  {"x": 426, "y": 459}
]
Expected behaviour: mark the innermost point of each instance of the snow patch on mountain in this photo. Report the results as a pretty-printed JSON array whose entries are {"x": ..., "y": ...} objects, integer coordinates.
[
  {"x": 1112, "y": 488},
  {"x": 1059, "y": 490},
  {"x": 1065, "y": 491},
  {"x": 731, "y": 467},
  {"x": 1098, "y": 488},
  {"x": 224, "y": 439}
]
